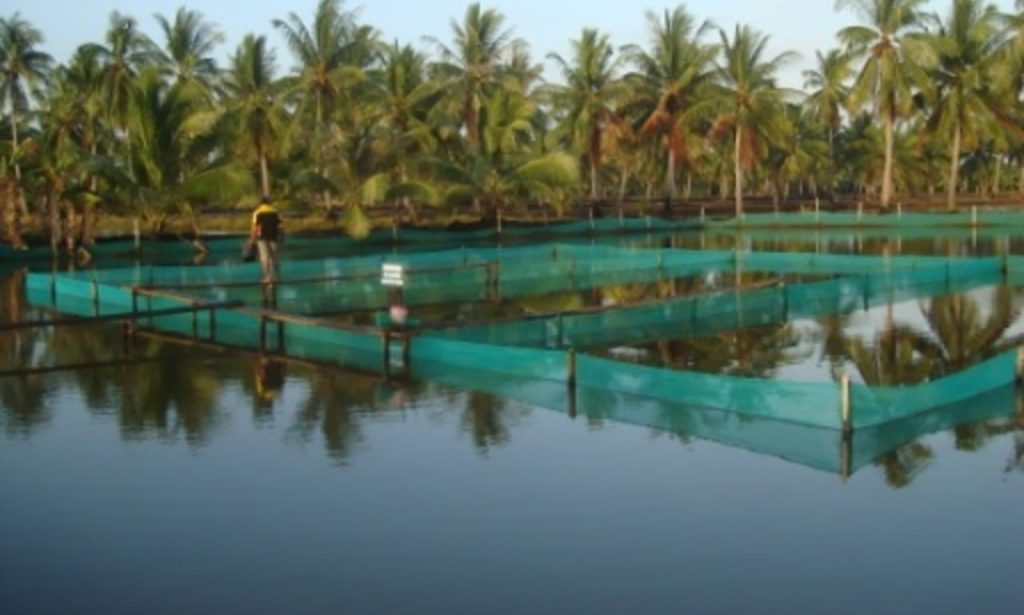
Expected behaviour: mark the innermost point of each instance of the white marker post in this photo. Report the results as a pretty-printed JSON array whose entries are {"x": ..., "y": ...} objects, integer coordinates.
[{"x": 393, "y": 277}]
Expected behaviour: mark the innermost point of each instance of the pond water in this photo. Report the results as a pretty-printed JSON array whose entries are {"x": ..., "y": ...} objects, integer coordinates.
[{"x": 206, "y": 480}]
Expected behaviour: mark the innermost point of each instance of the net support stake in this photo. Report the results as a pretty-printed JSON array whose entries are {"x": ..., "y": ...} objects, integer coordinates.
[
  {"x": 590, "y": 212},
  {"x": 95, "y": 297},
  {"x": 817, "y": 210},
  {"x": 263, "y": 333},
  {"x": 386, "y": 340},
  {"x": 1020, "y": 364},
  {"x": 974, "y": 216},
  {"x": 571, "y": 368},
  {"x": 195, "y": 320},
  {"x": 846, "y": 457},
  {"x": 844, "y": 403}
]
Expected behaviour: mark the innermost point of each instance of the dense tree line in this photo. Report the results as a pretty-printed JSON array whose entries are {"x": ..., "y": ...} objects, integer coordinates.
[{"x": 907, "y": 103}]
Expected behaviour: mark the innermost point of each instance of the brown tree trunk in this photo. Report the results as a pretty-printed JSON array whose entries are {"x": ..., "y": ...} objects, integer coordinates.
[
  {"x": 887, "y": 171},
  {"x": 738, "y": 171},
  {"x": 954, "y": 170},
  {"x": 11, "y": 222}
]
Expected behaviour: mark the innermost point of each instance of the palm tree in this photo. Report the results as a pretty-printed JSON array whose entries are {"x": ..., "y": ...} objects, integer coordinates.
[
  {"x": 332, "y": 53},
  {"x": 23, "y": 70},
  {"x": 669, "y": 83},
  {"x": 507, "y": 168},
  {"x": 589, "y": 97},
  {"x": 189, "y": 42},
  {"x": 127, "y": 51},
  {"x": 827, "y": 98},
  {"x": 968, "y": 45},
  {"x": 253, "y": 106},
  {"x": 472, "y": 67},
  {"x": 751, "y": 104},
  {"x": 896, "y": 56}
]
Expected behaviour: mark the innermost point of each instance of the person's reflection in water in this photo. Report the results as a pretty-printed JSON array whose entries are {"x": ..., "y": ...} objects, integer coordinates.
[{"x": 269, "y": 376}]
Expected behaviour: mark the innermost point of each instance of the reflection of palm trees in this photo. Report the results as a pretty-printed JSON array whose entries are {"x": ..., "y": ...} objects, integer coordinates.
[
  {"x": 484, "y": 419},
  {"x": 961, "y": 337},
  {"x": 174, "y": 393},
  {"x": 22, "y": 396},
  {"x": 332, "y": 406}
]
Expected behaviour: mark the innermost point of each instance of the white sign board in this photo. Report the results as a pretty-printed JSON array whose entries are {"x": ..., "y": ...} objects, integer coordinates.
[{"x": 392, "y": 275}]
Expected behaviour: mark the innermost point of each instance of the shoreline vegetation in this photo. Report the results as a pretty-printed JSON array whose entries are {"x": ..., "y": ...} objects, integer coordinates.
[{"x": 910, "y": 110}]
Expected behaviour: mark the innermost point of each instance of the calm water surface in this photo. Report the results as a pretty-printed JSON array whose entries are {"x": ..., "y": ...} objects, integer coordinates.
[{"x": 205, "y": 481}]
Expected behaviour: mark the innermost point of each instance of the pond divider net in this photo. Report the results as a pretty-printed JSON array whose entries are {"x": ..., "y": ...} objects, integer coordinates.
[{"x": 550, "y": 349}]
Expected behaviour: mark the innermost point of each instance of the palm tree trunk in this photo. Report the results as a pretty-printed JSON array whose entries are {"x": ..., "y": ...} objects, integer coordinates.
[
  {"x": 954, "y": 170},
  {"x": 264, "y": 174},
  {"x": 670, "y": 176},
  {"x": 738, "y": 171},
  {"x": 17, "y": 166},
  {"x": 887, "y": 171},
  {"x": 831, "y": 164},
  {"x": 997, "y": 180},
  {"x": 11, "y": 214}
]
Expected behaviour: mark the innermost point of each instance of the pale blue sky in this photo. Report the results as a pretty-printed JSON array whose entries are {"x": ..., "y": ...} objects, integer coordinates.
[{"x": 798, "y": 25}]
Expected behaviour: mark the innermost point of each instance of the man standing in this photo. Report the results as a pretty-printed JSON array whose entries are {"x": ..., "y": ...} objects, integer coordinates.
[{"x": 266, "y": 231}]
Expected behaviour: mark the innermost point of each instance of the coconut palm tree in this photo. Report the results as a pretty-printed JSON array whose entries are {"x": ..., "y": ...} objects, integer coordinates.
[
  {"x": 189, "y": 42},
  {"x": 507, "y": 168},
  {"x": 23, "y": 71},
  {"x": 968, "y": 45},
  {"x": 472, "y": 65},
  {"x": 332, "y": 52},
  {"x": 750, "y": 104},
  {"x": 829, "y": 91},
  {"x": 669, "y": 84},
  {"x": 896, "y": 57},
  {"x": 253, "y": 102},
  {"x": 589, "y": 97},
  {"x": 126, "y": 53},
  {"x": 75, "y": 132}
]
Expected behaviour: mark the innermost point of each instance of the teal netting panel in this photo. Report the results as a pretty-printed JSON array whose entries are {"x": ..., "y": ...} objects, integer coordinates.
[
  {"x": 331, "y": 345},
  {"x": 871, "y": 442},
  {"x": 815, "y": 447},
  {"x": 531, "y": 363},
  {"x": 807, "y": 403},
  {"x": 241, "y": 329},
  {"x": 959, "y": 218},
  {"x": 878, "y": 405}
]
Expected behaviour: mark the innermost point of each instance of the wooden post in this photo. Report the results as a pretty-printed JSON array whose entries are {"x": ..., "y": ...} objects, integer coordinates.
[
  {"x": 263, "y": 333},
  {"x": 899, "y": 209},
  {"x": 195, "y": 320},
  {"x": 407, "y": 355},
  {"x": 590, "y": 211},
  {"x": 974, "y": 216},
  {"x": 571, "y": 368},
  {"x": 845, "y": 410},
  {"x": 213, "y": 325},
  {"x": 817, "y": 209},
  {"x": 280, "y": 336},
  {"x": 1020, "y": 364},
  {"x": 135, "y": 308},
  {"x": 386, "y": 338},
  {"x": 95, "y": 297},
  {"x": 702, "y": 216},
  {"x": 860, "y": 210},
  {"x": 846, "y": 456}
]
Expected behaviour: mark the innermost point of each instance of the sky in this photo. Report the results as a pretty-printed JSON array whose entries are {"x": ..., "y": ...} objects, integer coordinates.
[{"x": 803, "y": 26}]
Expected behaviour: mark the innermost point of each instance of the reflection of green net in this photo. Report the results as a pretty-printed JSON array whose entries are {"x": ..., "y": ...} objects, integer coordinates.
[{"x": 536, "y": 347}]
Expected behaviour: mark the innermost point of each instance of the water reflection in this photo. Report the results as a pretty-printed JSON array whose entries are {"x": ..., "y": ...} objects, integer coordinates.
[{"x": 175, "y": 392}]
